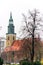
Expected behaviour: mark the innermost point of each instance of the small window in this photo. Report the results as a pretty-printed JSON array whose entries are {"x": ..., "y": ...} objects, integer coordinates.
[
  {"x": 8, "y": 38},
  {"x": 13, "y": 37}
]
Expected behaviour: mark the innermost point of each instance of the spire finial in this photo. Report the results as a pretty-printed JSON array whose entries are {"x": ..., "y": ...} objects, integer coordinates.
[{"x": 10, "y": 17}]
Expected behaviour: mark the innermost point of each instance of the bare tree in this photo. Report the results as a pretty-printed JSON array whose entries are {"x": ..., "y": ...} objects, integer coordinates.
[
  {"x": 37, "y": 48},
  {"x": 30, "y": 27},
  {"x": 26, "y": 48}
]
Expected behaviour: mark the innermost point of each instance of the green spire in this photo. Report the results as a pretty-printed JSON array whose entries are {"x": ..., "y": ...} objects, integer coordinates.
[
  {"x": 10, "y": 20},
  {"x": 11, "y": 26}
]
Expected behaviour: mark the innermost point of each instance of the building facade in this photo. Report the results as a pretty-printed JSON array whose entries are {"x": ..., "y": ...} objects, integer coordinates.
[
  {"x": 21, "y": 49},
  {"x": 11, "y": 35},
  {"x": 2, "y": 44}
]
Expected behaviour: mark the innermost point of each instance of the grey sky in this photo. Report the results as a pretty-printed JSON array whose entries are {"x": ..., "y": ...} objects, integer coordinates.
[{"x": 17, "y": 7}]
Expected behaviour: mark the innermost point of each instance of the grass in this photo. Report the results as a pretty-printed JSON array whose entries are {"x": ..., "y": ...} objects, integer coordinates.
[
  {"x": 41, "y": 61},
  {"x": 18, "y": 64},
  {"x": 12, "y": 64}
]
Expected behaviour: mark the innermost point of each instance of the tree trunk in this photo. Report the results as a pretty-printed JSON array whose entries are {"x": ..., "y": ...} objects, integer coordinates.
[{"x": 32, "y": 52}]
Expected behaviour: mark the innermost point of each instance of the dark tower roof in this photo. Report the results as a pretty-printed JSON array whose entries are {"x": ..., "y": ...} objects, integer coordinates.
[
  {"x": 11, "y": 25},
  {"x": 11, "y": 19}
]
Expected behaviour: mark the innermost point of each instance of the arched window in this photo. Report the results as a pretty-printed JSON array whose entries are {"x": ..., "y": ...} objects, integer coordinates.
[
  {"x": 13, "y": 37},
  {"x": 8, "y": 38}
]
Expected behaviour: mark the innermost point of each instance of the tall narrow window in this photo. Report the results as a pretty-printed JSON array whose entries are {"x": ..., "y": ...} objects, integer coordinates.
[
  {"x": 8, "y": 38},
  {"x": 13, "y": 37}
]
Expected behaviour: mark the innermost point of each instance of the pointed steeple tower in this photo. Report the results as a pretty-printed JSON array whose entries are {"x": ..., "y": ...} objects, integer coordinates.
[
  {"x": 11, "y": 26},
  {"x": 11, "y": 35},
  {"x": 10, "y": 20}
]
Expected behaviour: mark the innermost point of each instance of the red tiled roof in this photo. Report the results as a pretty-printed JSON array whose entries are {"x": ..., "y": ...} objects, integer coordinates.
[
  {"x": 17, "y": 45},
  {"x": 7, "y": 49}
]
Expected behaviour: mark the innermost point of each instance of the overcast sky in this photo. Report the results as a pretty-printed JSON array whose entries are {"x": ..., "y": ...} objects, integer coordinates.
[{"x": 17, "y": 7}]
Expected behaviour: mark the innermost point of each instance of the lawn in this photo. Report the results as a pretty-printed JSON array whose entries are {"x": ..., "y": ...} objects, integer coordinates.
[
  {"x": 41, "y": 61},
  {"x": 11, "y": 64},
  {"x": 19, "y": 64}
]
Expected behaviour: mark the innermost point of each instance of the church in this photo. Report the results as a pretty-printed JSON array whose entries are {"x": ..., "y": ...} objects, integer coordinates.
[
  {"x": 17, "y": 50},
  {"x": 11, "y": 35}
]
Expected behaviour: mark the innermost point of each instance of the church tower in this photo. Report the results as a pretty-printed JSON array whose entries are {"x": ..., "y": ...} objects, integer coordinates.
[{"x": 11, "y": 35}]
